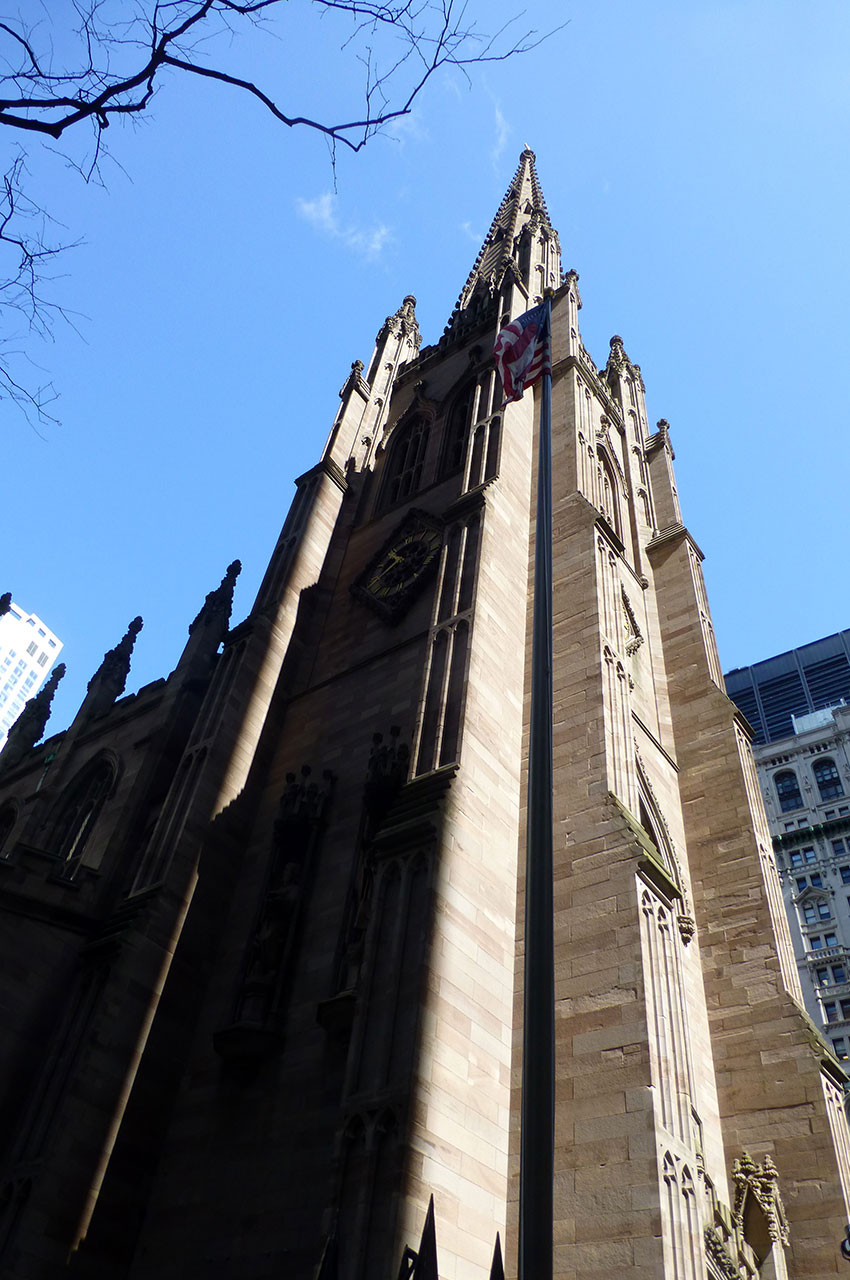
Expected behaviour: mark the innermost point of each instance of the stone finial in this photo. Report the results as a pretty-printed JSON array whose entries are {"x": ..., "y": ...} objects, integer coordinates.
[
  {"x": 218, "y": 604},
  {"x": 354, "y": 381},
  {"x": 402, "y": 322},
  {"x": 109, "y": 681},
  {"x": 5, "y": 602},
  {"x": 29, "y": 726}
]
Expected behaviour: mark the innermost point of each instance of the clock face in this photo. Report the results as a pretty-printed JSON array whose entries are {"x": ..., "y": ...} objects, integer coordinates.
[
  {"x": 392, "y": 579},
  {"x": 403, "y": 563}
]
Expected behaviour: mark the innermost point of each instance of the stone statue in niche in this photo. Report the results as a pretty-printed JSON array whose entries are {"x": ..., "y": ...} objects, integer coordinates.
[
  {"x": 386, "y": 774},
  {"x": 298, "y": 821}
]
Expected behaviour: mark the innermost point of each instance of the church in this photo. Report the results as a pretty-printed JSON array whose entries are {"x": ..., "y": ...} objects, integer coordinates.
[{"x": 261, "y": 955}]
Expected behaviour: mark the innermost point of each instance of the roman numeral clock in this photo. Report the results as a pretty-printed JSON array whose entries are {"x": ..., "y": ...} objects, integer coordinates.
[{"x": 394, "y": 577}]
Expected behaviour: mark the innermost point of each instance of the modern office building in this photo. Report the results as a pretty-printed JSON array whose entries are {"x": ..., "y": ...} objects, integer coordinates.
[
  {"x": 800, "y": 702},
  {"x": 262, "y": 943},
  {"x": 795, "y": 683},
  {"x": 28, "y": 649}
]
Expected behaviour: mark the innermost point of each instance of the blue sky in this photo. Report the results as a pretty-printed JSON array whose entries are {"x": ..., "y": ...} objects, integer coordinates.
[{"x": 694, "y": 161}]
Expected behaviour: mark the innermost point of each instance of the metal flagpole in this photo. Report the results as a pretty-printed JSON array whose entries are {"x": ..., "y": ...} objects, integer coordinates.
[{"x": 537, "y": 1138}]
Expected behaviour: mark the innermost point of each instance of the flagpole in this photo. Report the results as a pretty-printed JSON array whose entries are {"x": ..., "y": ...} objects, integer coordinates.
[{"x": 537, "y": 1135}]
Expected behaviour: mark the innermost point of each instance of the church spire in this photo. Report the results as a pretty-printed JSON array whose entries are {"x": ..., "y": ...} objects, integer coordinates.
[{"x": 521, "y": 246}]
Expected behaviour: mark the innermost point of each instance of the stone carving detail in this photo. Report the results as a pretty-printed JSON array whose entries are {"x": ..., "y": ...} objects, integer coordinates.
[
  {"x": 295, "y": 835},
  {"x": 718, "y": 1253},
  {"x": 386, "y": 774},
  {"x": 355, "y": 381},
  {"x": 634, "y": 637},
  {"x": 762, "y": 1182}
]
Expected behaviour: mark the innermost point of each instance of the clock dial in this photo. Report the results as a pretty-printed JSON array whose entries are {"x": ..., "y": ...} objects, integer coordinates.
[
  {"x": 404, "y": 562},
  {"x": 397, "y": 571}
]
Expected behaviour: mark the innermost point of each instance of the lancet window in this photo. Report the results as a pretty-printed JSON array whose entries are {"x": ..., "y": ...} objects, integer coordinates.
[
  {"x": 609, "y": 501},
  {"x": 457, "y": 432},
  {"x": 405, "y": 462},
  {"x": 443, "y": 706},
  {"x": 80, "y": 811},
  {"x": 473, "y": 430}
]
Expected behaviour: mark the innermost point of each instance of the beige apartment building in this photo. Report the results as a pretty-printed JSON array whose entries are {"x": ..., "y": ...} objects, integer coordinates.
[{"x": 262, "y": 949}]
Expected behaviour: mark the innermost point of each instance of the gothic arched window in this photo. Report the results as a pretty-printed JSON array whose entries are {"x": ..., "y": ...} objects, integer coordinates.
[
  {"x": 457, "y": 429},
  {"x": 828, "y": 779},
  {"x": 80, "y": 811},
  {"x": 8, "y": 818},
  {"x": 788, "y": 791},
  {"x": 609, "y": 494},
  {"x": 405, "y": 461}
]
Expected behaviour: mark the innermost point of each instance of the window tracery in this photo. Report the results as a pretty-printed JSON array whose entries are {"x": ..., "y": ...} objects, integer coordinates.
[{"x": 80, "y": 810}]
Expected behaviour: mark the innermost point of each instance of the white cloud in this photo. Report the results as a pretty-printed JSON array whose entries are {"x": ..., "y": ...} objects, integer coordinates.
[
  {"x": 323, "y": 214},
  {"x": 503, "y": 134},
  {"x": 468, "y": 230}
]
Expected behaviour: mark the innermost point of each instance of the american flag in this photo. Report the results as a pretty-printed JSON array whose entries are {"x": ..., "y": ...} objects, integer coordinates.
[{"x": 522, "y": 352}]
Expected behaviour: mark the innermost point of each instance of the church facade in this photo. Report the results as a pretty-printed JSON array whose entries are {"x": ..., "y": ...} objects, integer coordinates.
[{"x": 262, "y": 941}]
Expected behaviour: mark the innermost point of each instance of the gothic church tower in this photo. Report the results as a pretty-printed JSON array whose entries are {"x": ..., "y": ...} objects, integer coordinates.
[{"x": 306, "y": 1016}]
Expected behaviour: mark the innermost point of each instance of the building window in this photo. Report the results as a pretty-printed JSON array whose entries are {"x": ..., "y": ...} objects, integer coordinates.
[
  {"x": 809, "y": 854},
  {"x": 802, "y": 883},
  {"x": 32, "y": 647},
  {"x": 824, "y": 911},
  {"x": 42, "y": 659},
  {"x": 457, "y": 431},
  {"x": 845, "y": 1009},
  {"x": 796, "y": 859},
  {"x": 809, "y": 913},
  {"x": 822, "y": 977},
  {"x": 403, "y": 471},
  {"x": 80, "y": 811},
  {"x": 828, "y": 779},
  {"x": 815, "y": 944},
  {"x": 816, "y": 880},
  {"x": 788, "y": 791},
  {"x": 842, "y": 809},
  {"x": 839, "y": 851},
  {"x": 830, "y": 940},
  {"x": 839, "y": 973},
  {"x": 839, "y": 1047},
  {"x": 830, "y": 1010}
]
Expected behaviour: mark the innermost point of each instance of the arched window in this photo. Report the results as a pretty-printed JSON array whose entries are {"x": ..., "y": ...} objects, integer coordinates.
[
  {"x": 828, "y": 779},
  {"x": 80, "y": 810},
  {"x": 457, "y": 428},
  {"x": 788, "y": 791},
  {"x": 403, "y": 470},
  {"x": 8, "y": 818},
  {"x": 609, "y": 494}
]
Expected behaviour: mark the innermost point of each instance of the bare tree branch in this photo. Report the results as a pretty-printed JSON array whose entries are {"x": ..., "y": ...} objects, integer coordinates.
[{"x": 112, "y": 60}]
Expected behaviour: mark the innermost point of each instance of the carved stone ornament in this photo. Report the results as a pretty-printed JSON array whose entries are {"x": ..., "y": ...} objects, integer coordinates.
[
  {"x": 634, "y": 638},
  {"x": 393, "y": 578},
  {"x": 718, "y": 1253},
  {"x": 762, "y": 1182}
]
